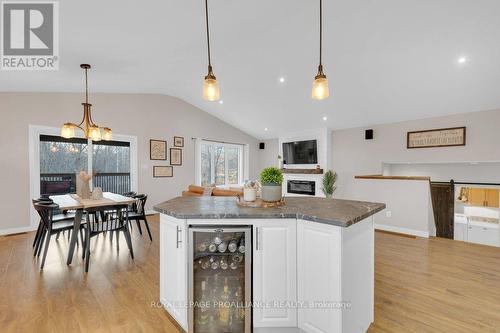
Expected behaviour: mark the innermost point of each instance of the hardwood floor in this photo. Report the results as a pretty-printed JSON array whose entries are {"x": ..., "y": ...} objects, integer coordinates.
[
  {"x": 422, "y": 285},
  {"x": 435, "y": 285}
]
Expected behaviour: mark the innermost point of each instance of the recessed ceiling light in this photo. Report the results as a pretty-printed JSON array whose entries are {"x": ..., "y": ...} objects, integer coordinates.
[
  {"x": 221, "y": 102},
  {"x": 265, "y": 129},
  {"x": 462, "y": 60},
  {"x": 282, "y": 79},
  {"x": 325, "y": 118}
]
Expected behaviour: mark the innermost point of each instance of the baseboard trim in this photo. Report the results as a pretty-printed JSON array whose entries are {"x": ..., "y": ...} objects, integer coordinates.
[
  {"x": 10, "y": 231},
  {"x": 399, "y": 230}
]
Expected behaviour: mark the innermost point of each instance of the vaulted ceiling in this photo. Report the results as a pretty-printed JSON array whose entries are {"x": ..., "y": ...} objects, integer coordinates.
[{"x": 386, "y": 60}]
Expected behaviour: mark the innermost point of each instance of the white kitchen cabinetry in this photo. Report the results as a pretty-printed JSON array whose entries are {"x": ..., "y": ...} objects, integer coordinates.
[
  {"x": 483, "y": 233},
  {"x": 295, "y": 262},
  {"x": 460, "y": 227},
  {"x": 173, "y": 268},
  {"x": 335, "y": 265},
  {"x": 275, "y": 272}
]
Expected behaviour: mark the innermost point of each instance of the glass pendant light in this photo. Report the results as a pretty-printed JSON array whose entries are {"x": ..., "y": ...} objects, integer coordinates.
[
  {"x": 211, "y": 91},
  {"x": 320, "y": 88},
  {"x": 107, "y": 134},
  {"x": 68, "y": 131},
  {"x": 94, "y": 133}
]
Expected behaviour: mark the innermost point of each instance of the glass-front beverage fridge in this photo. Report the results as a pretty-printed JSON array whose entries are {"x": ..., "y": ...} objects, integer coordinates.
[{"x": 220, "y": 261}]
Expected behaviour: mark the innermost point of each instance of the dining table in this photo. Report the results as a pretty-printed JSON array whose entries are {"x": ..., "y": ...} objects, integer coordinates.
[{"x": 78, "y": 204}]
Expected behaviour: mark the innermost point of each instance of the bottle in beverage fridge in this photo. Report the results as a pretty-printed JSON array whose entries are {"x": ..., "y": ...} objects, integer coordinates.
[
  {"x": 215, "y": 290},
  {"x": 241, "y": 248},
  {"x": 237, "y": 258},
  {"x": 224, "y": 308},
  {"x": 214, "y": 263},
  {"x": 203, "y": 310},
  {"x": 217, "y": 239},
  {"x": 233, "y": 246},
  {"x": 223, "y": 264},
  {"x": 203, "y": 246},
  {"x": 240, "y": 310},
  {"x": 233, "y": 265},
  {"x": 205, "y": 263},
  {"x": 212, "y": 247},
  {"x": 222, "y": 247},
  {"x": 212, "y": 326}
]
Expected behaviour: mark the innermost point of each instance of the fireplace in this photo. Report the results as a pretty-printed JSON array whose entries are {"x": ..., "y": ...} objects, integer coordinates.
[{"x": 301, "y": 187}]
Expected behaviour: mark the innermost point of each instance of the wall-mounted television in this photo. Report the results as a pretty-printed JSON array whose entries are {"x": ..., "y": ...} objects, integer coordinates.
[{"x": 300, "y": 152}]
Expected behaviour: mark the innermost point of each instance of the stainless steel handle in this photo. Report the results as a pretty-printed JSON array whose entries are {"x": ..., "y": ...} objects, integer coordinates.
[
  {"x": 257, "y": 239},
  {"x": 178, "y": 240}
]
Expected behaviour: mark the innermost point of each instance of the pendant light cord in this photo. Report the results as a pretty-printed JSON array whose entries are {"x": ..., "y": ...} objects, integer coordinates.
[
  {"x": 208, "y": 34},
  {"x": 320, "y": 31}
]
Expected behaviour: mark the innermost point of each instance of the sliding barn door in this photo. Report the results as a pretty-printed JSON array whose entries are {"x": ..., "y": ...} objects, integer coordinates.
[{"x": 443, "y": 204}]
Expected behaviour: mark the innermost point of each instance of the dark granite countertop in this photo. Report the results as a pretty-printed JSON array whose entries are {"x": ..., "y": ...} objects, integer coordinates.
[{"x": 330, "y": 211}]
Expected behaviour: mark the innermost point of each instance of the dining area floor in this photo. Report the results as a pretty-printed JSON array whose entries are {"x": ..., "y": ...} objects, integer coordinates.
[
  {"x": 118, "y": 294},
  {"x": 421, "y": 285}
]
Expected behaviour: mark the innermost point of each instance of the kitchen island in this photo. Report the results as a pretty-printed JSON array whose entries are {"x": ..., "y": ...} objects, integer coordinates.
[{"x": 310, "y": 262}]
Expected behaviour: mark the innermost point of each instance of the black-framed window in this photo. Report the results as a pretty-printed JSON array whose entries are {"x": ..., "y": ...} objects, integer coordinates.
[{"x": 61, "y": 159}]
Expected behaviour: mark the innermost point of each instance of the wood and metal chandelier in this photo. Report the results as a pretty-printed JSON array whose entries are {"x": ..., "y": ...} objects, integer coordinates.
[{"x": 90, "y": 129}]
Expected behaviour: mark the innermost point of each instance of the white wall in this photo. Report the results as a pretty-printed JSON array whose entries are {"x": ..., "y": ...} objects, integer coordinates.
[
  {"x": 269, "y": 156},
  {"x": 353, "y": 155},
  {"x": 142, "y": 115},
  {"x": 409, "y": 206},
  {"x": 408, "y": 201},
  {"x": 485, "y": 172}
]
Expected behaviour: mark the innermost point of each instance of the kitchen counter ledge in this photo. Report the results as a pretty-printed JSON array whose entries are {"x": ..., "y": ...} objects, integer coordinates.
[{"x": 337, "y": 212}]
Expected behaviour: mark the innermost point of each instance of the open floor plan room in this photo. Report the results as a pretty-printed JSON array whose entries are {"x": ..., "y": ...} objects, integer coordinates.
[
  {"x": 417, "y": 282},
  {"x": 285, "y": 166}
]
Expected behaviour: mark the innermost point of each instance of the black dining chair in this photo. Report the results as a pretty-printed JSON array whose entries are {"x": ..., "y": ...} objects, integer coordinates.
[
  {"x": 115, "y": 220},
  {"x": 57, "y": 216},
  {"x": 49, "y": 227},
  {"x": 139, "y": 213}
]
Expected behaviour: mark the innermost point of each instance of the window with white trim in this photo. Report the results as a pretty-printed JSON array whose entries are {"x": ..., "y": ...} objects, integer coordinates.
[{"x": 221, "y": 164}]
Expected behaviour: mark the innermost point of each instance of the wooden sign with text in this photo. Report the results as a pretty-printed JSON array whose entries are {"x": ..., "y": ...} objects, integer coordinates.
[{"x": 443, "y": 137}]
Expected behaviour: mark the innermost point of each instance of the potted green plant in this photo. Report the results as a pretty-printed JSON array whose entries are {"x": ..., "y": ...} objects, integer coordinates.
[
  {"x": 271, "y": 179},
  {"x": 329, "y": 179}
]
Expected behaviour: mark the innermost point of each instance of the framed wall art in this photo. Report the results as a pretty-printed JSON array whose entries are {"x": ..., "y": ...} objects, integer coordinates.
[
  {"x": 175, "y": 156},
  {"x": 178, "y": 141},
  {"x": 442, "y": 137},
  {"x": 163, "y": 171},
  {"x": 157, "y": 150}
]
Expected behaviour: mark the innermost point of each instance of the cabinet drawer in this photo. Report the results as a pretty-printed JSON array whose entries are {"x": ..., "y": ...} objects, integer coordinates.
[{"x": 483, "y": 234}]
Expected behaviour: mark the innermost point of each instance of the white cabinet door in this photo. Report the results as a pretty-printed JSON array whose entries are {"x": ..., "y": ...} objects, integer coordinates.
[
  {"x": 482, "y": 233},
  {"x": 275, "y": 273},
  {"x": 319, "y": 252},
  {"x": 460, "y": 231},
  {"x": 173, "y": 269}
]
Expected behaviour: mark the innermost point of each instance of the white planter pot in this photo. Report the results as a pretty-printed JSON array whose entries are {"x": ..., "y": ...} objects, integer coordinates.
[{"x": 249, "y": 194}]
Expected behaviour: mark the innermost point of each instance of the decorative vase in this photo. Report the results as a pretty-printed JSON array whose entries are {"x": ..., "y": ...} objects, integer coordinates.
[
  {"x": 97, "y": 193},
  {"x": 83, "y": 185},
  {"x": 271, "y": 192},
  {"x": 249, "y": 194}
]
